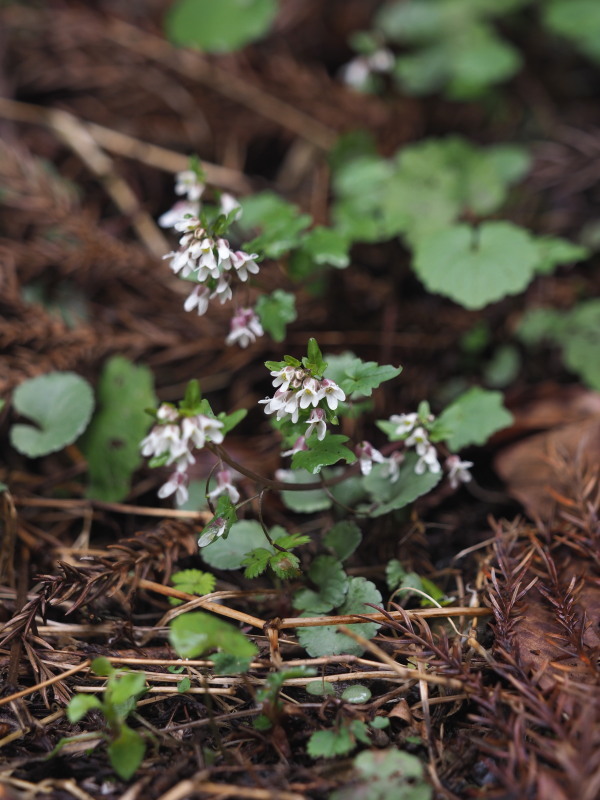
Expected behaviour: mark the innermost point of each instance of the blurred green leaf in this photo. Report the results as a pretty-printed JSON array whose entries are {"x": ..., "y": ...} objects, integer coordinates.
[{"x": 60, "y": 403}]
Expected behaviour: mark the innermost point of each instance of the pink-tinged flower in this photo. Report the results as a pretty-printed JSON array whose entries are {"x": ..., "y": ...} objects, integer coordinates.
[
  {"x": 177, "y": 485},
  {"x": 316, "y": 421},
  {"x": 428, "y": 461},
  {"x": 309, "y": 394},
  {"x": 244, "y": 263},
  {"x": 225, "y": 486},
  {"x": 245, "y": 328},
  {"x": 188, "y": 225},
  {"x": 224, "y": 254},
  {"x": 198, "y": 298},
  {"x": 367, "y": 456},
  {"x": 299, "y": 444},
  {"x": 405, "y": 423},
  {"x": 332, "y": 393},
  {"x": 187, "y": 182},
  {"x": 458, "y": 471}
]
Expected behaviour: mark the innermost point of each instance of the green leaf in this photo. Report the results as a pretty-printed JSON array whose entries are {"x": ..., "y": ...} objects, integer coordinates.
[
  {"x": 343, "y": 538},
  {"x": 328, "y": 575},
  {"x": 323, "y": 453},
  {"x": 275, "y": 311},
  {"x": 576, "y": 20},
  {"x": 394, "y": 574},
  {"x": 580, "y": 341},
  {"x": 327, "y": 640},
  {"x": 102, "y": 666},
  {"x": 380, "y": 723},
  {"x": 386, "y": 773},
  {"x": 231, "y": 420},
  {"x": 220, "y": 525},
  {"x": 285, "y": 565},
  {"x": 473, "y": 418},
  {"x": 314, "y": 358},
  {"x": 331, "y": 743},
  {"x": 320, "y": 688},
  {"x": 256, "y": 562},
  {"x": 184, "y": 685},
  {"x": 554, "y": 251},
  {"x": 122, "y": 692},
  {"x": 80, "y": 704},
  {"x": 539, "y": 324},
  {"x": 388, "y": 496},
  {"x": 219, "y": 27},
  {"x": 61, "y": 403},
  {"x": 126, "y": 752},
  {"x": 193, "y": 634},
  {"x": 192, "y": 398},
  {"x": 229, "y": 664},
  {"x": 475, "y": 267},
  {"x": 327, "y": 246},
  {"x": 356, "y": 694},
  {"x": 111, "y": 444},
  {"x": 364, "y": 376},
  {"x": 192, "y": 581},
  {"x": 304, "y": 502},
  {"x": 282, "y": 223},
  {"x": 244, "y": 537}
]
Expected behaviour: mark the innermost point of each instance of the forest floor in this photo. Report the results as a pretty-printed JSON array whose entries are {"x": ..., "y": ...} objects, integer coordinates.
[{"x": 97, "y": 113}]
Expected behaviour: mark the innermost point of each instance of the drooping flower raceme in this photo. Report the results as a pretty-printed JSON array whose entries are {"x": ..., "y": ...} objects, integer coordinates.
[
  {"x": 206, "y": 258},
  {"x": 172, "y": 440}
]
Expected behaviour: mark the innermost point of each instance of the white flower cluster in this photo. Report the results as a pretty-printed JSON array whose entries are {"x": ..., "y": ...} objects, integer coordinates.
[
  {"x": 209, "y": 261},
  {"x": 296, "y": 391},
  {"x": 417, "y": 437},
  {"x": 356, "y": 73},
  {"x": 175, "y": 436}
]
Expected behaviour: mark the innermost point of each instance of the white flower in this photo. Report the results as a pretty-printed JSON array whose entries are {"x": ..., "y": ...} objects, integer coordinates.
[
  {"x": 177, "y": 485},
  {"x": 283, "y": 377},
  {"x": 367, "y": 455},
  {"x": 222, "y": 291},
  {"x": 419, "y": 439},
  {"x": 180, "y": 262},
  {"x": 405, "y": 423},
  {"x": 224, "y": 253},
  {"x": 309, "y": 394},
  {"x": 392, "y": 466},
  {"x": 187, "y": 225},
  {"x": 244, "y": 263},
  {"x": 188, "y": 183},
  {"x": 381, "y": 60},
  {"x": 299, "y": 444},
  {"x": 160, "y": 440},
  {"x": 458, "y": 471},
  {"x": 198, "y": 298},
  {"x": 203, "y": 252},
  {"x": 180, "y": 211},
  {"x": 428, "y": 461},
  {"x": 199, "y": 428},
  {"x": 316, "y": 420},
  {"x": 225, "y": 486},
  {"x": 356, "y": 72},
  {"x": 228, "y": 204},
  {"x": 245, "y": 328},
  {"x": 167, "y": 413},
  {"x": 332, "y": 393}
]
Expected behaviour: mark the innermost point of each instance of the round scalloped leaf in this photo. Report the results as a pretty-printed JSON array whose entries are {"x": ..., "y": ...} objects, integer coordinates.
[
  {"x": 477, "y": 266},
  {"x": 219, "y": 27},
  {"x": 326, "y": 640},
  {"x": 61, "y": 403},
  {"x": 243, "y": 537}
]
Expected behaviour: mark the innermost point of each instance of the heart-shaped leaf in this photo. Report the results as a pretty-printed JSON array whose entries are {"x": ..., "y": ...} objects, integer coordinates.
[{"x": 61, "y": 403}]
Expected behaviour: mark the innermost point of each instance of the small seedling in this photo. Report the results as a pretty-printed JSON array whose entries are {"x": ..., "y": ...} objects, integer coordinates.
[{"x": 126, "y": 747}]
